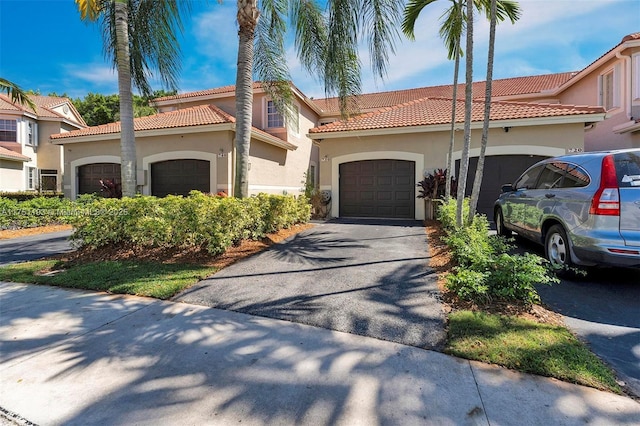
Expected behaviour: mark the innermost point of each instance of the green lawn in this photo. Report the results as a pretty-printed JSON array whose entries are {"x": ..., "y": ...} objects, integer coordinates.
[
  {"x": 152, "y": 279},
  {"x": 527, "y": 346}
]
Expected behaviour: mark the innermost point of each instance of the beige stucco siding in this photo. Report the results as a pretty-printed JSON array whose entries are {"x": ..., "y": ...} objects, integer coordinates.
[
  {"x": 12, "y": 176},
  {"x": 429, "y": 150},
  {"x": 212, "y": 146}
]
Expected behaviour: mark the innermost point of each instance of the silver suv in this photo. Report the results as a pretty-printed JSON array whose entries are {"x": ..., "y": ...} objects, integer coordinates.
[{"x": 584, "y": 208}]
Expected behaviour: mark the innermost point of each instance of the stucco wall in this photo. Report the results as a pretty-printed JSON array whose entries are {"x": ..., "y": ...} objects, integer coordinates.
[
  {"x": 212, "y": 146},
  {"x": 11, "y": 176},
  {"x": 429, "y": 150}
]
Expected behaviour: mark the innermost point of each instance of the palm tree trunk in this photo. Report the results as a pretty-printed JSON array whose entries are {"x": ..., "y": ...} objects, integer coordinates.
[
  {"x": 127, "y": 135},
  {"x": 247, "y": 20},
  {"x": 464, "y": 162},
  {"x": 454, "y": 103},
  {"x": 477, "y": 182}
]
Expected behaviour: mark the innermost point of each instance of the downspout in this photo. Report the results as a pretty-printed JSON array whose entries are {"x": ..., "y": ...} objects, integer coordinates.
[{"x": 629, "y": 77}]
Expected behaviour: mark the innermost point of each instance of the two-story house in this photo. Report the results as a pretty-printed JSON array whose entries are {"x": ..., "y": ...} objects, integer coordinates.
[
  {"x": 370, "y": 164},
  {"x": 28, "y": 159}
]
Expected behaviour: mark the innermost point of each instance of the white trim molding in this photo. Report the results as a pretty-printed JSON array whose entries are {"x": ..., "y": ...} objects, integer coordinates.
[
  {"x": 544, "y": 151},
  {"x": 83, "y": 162},
  {"x": 180, "y": 155},
  {"x": 418, "y": 159}
]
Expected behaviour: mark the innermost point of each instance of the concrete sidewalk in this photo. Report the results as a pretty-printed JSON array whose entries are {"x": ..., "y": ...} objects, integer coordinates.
[{"x": 77, "y": 358}]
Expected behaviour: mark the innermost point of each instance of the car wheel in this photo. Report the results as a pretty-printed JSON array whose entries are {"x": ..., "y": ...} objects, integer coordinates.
[
  {"x": 500, "y": 229},
  {"x": 556, "y": 248}
]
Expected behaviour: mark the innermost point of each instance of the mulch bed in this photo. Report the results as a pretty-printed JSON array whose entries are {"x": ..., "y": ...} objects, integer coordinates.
[
  {"x": 442, "y": 261},
  {"x": 15, "y": 233}
]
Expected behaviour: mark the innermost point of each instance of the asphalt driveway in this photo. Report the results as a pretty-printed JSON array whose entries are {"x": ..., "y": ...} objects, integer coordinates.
[
  {"x": 363, "y": 277},
  {"x": 34, "y": 247}
]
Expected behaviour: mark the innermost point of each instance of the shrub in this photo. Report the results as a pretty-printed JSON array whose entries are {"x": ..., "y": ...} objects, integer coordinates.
[
  {"x": 33, "y": 212},
  {"x": 204, "y": 221},
  {"x": 486, "y": 271}
]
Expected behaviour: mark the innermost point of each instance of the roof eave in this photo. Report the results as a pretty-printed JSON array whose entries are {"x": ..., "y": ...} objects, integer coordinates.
[
  {"x": 144, "y": 133},
  {"x": 521, "y": 122},
  {"x": 597, "y": 63}
]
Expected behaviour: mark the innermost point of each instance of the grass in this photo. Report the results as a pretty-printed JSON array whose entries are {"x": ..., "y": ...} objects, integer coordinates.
[
  {"x": 154, "y": 279},
  {"x": 527, "y": 346}
]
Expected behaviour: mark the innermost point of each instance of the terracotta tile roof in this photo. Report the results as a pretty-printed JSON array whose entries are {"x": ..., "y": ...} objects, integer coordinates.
[
  {"x": 44, "y": 105},
  {"x": 231, "y": 90},
  {"x": 200, "y": 115},
  {"x": 195, "y": 116},
  {"x": 500, "y": 87},
  {"x": 12, "y": 155},
  {"x": 434, "y": 111}
]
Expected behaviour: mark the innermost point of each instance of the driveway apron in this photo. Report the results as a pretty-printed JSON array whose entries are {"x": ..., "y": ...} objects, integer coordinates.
[{"x": 366, "y": 277}]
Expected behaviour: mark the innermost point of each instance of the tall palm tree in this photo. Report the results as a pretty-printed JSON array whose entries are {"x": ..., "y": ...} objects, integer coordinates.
[
  {"x": 139, "y": 37},
  {"x": 477, "y": 182},
  {"x": 451, "y": 31},
  {"x": 327, "y": 45},
  {"x": 16, "y": 93}
]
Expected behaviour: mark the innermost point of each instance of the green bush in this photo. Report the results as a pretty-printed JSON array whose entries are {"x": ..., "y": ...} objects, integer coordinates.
[
  {"x": 486, "y": 271},
  {"x": 33, "y": 212},
  {"x": 208, "y": 222},
  {"x": 24, "y": 196}
]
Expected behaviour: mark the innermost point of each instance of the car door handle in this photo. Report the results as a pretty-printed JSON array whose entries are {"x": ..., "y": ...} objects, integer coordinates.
[{"x": 549, "y": 195}]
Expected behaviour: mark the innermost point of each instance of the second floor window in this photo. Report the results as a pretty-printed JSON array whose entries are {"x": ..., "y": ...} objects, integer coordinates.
[
  {"x": 274, "y": 118},
  {"x": 607, "y": 91},
  {"x": 32, "y": 134},
  {"x": 8, "y": 131}
]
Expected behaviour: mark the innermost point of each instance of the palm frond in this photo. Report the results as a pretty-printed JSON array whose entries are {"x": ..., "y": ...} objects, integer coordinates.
[
  {"x": 381, "y": 19},
  {"x": 16, "y": 94},
  {"x": 411, "y": 13}
]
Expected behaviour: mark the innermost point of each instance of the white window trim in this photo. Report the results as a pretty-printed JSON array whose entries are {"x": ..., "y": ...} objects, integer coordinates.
[
  {"x": 291, "y": 129},
  {"x": 17, "y": 127},
  {"x": 635, "y": 73},
  {"x": 615, "y": 71},
  {"x": 265, "y": 115},
  {"x": 34, "y": 182}
]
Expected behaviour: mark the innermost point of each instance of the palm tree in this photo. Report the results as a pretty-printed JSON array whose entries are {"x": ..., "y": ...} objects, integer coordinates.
[
  {"x": 327, "y": 46},
  {"x": 139, "y": 36},
  {"x": 16, "y": 94},
  {"x": 451, "y": 31}
]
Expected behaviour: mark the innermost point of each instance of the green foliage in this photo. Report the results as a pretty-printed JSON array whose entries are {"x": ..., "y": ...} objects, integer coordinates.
[
  {"x": 98, "y": 109},
  {"x": 24, "y": 195},
  {"x": 38, "y": 211},
  {"x": 486, "y": 271},
  {"x": 209, "y": 222}
]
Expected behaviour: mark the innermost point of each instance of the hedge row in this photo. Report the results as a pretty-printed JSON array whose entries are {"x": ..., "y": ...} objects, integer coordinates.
[
  {"x": 203, "y": 221},
  {"x": 39, "y": 211},
  {"x": 24, "y": 196}
]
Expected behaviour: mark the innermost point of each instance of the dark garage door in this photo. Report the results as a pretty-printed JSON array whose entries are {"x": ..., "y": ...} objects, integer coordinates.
[
  {"x": 498, "y": 170},
  {"x": 178, "y": 177},
  {"x": 377, "y": 188},
  {"x": 89, "y": 176}
]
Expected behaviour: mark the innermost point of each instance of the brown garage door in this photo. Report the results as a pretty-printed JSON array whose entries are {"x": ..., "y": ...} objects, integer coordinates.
[
  {"x": 377, "y": 188},
  {"x": 89, "y": 176},
  {"x": 498, "y": 170},
  {"x": 178, "y": 177}
]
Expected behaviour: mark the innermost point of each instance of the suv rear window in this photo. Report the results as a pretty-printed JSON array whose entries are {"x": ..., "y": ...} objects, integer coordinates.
[{"x": 628, "y": 169}]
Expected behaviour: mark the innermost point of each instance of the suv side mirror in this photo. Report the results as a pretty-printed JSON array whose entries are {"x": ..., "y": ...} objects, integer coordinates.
[{"x": 506, "y": 188}]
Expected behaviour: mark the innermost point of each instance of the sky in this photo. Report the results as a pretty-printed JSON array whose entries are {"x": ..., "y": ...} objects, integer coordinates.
[{"x": 45, "y": 47}]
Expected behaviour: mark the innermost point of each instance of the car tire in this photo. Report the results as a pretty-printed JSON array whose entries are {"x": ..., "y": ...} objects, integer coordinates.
[
  {"x": 557, "y": 249},
  {"x": 499, "y": 219}
]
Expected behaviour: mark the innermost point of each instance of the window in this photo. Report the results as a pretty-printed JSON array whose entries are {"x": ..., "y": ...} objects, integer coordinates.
[
  {"x": 32, "y": 178},
  {"x": 48, "y": 180},
  {"x": 576, "y": 177},
  {"x": 32, "y": 133},
  {"x": 551, "y": 176},
  {"x": 8, "y": 131},
  {"x": 529, "y": 178},
  {"x": 274, "y": 118},
  {"x": 610, "y": 89}
]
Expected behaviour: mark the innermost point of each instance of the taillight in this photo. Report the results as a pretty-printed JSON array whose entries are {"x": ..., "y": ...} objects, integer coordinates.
[{"x": 606, "y": 201}]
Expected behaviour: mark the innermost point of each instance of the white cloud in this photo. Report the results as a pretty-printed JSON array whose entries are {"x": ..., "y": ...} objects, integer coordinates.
[{"x": 97, "y": 74}]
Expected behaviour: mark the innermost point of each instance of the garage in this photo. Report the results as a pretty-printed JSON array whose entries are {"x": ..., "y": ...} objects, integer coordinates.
[
  {"x": 179, "y": 177},
  {"x": 89, "y": 176},
  {"x": 377, "y": 188},
  {"x": 498, "y": 170}
]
